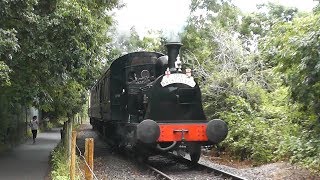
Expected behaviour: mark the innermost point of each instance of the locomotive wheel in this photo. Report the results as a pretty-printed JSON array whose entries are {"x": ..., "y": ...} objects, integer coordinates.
[
  {"x": 195, "y": 157},
  {"x": 195, "y": 152}
]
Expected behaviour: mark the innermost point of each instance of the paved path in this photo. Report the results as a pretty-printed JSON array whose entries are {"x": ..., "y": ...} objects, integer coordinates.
[{"x": 29, "y": 161}]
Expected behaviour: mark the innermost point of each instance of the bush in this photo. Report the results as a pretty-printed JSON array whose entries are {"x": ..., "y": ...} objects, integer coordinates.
[
  {"x": 60, "y": 165},
  {"x": 250, "y": 136},
  {"x": 264, "y": 126}
]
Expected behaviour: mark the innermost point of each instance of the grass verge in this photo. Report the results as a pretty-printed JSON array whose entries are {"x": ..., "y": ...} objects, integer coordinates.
[{"x": 59, "y": 163}]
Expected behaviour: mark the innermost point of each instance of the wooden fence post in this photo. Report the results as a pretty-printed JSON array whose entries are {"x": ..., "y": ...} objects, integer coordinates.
[
  {"x": 65, "y": 128},
  {"x": 89, "y": 158},
  {"x": 73, "y": 155},
  {"x": 68, "y": 134}
]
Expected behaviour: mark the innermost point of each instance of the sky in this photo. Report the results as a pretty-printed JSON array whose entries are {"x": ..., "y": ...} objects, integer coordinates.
[
  {"x": 153, "y": 14},
  {"x": 170, "y": 15}
]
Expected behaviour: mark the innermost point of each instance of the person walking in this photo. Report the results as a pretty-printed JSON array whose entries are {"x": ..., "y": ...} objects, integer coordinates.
[{"x": 34, "y": 124}]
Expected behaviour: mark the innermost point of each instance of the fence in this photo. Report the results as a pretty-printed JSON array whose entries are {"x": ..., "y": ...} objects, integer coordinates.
[{"x": 69, "y": 137}]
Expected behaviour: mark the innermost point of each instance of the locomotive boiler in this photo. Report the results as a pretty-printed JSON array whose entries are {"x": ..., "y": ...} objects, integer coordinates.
[{"x": 149, "y": 101}]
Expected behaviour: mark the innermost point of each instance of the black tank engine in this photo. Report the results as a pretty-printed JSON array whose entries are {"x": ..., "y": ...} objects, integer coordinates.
[{"x": 146, "y": 100}]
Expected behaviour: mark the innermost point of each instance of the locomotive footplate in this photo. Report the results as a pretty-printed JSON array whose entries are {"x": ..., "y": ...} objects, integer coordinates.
[{"x": 182, "y": 132}]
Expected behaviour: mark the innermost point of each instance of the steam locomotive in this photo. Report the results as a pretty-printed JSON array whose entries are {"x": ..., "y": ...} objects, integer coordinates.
[{"x": 148, "y": 101}]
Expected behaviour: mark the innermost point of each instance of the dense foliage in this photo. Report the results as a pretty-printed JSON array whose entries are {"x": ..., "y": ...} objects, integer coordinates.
[
  {"x": 59, "y": 163},
  {"x": 51, "y": 51},
  {"x": 294, "y": 49},
  {"x": 259, "y": 72}
]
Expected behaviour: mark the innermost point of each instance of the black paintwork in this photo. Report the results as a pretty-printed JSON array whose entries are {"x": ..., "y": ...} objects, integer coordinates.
[{"x": 120, "y": 94}]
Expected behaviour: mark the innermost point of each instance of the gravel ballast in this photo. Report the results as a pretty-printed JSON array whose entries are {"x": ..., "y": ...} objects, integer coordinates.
[{"x": 109, "y": 165}]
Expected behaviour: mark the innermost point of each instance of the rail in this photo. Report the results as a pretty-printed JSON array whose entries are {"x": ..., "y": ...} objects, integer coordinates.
[
  {"x": 208, "y": 168},
  {"x": 159, "y": 174}
]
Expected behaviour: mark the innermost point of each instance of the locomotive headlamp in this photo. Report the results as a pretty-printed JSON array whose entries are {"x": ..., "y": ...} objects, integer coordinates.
[
  {"x": 167, "y": 72},
  {"x": 217, "y": 130}
]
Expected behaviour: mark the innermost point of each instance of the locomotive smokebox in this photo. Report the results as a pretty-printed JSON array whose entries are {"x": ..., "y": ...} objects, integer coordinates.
[
  {"x": 173, "y": 52},
  {"x": 148, "y": 131},
  {"x": 217, "y": 130}
]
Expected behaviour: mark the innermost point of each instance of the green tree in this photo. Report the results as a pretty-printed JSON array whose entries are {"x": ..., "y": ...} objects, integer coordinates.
[
  {"x": 132, "y": 41},
  {"x": 244, "y": 88},
  {"x": 62, "y": 45},
  {"x": 205, "y": 17},
  {"x": 223, "y": 12},
  {"x": 260, "y": 22},
  {"x": 294, "y": 49},
  {"x": 8, "y": 45}
]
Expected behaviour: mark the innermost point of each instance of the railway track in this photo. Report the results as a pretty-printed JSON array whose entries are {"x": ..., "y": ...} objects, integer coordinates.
[
  {"x": 157, "y": 173},
  {"x": 165, "y": 168}
]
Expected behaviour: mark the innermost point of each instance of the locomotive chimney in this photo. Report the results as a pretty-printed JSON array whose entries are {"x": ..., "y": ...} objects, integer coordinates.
[{"x": 173, "y": 52}]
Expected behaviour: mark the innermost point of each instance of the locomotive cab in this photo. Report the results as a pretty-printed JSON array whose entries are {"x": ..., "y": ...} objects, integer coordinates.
[{"x": 138, "y": 77}]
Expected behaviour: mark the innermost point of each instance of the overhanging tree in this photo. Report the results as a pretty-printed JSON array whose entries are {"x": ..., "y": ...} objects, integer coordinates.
[
  {"x": 294, "y": 49},
  {"x": 61, "y": 45}
]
